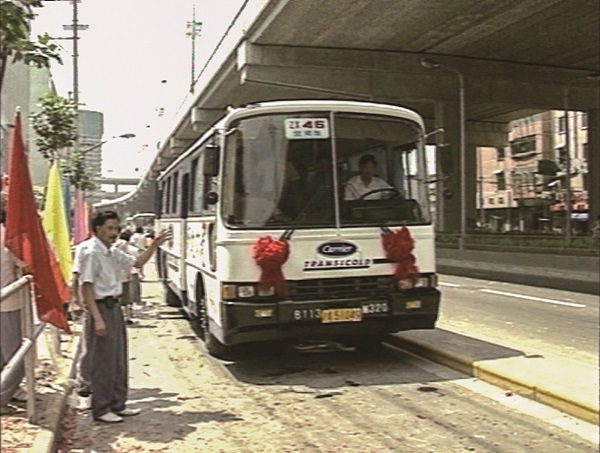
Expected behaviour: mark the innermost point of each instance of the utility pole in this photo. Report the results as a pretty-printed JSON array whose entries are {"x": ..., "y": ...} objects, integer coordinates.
[
  {"x": 74, "y": 26},
  {"x": 76, "y": 58},
  {"x": 195, "y": 28}
]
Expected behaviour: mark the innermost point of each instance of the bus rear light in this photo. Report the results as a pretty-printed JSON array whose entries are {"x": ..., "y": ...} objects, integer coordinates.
[{"x": 246, "y": 291}]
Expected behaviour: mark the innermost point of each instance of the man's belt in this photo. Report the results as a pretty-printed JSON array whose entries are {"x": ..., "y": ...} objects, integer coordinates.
[{"x": 109, "y": 301}]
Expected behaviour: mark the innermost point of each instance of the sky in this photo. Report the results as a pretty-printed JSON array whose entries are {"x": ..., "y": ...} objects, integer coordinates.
[{"x": 128, "y": 50}]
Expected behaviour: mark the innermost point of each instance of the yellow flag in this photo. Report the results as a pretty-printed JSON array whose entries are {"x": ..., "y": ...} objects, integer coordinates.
[{"x": 55, "y": 222}]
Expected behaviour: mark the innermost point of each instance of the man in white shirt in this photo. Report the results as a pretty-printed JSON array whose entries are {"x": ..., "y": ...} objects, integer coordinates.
[
  {"x": 100, "y": 267},
  {"x": 366, "y": 181}
]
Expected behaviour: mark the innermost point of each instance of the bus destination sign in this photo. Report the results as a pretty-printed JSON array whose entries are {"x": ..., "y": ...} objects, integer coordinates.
[{"x": 306, "y": 128}]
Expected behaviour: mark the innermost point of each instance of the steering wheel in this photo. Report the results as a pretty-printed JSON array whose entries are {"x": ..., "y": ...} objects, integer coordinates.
[{"x": 396, "y": 192}]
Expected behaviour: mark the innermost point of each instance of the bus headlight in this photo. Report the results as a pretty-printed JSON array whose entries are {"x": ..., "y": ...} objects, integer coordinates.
[
  {"x": 270, "y": 291},
  {"x": 422, "y": 282},
  {"x": 405, "y": 283},
  {"x": 246, "y": 291}
]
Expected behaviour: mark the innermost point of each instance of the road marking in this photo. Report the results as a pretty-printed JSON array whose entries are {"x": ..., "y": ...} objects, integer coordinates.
[
  {"x": 538, "y": 299},
  {"x": 452, "y": 285}
]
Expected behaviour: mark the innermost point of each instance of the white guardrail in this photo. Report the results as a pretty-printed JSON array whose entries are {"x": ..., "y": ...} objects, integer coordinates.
[{"x": 26, "y": 353}]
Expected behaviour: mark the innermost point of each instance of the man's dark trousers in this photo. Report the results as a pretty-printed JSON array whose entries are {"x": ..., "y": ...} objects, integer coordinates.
[{"x": 109, "y": 368}]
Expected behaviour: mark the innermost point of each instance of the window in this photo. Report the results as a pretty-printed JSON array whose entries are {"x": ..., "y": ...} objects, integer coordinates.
[
  {"x": 491, "y": 201},
  {"x": 175, "y": 193},
  {"x": 523, "y": 147},
  {"x": 501, "y": 200},
  {"x": 195, "y": 181},
  {"x": 500, "y": 153},
  {"x": 561, "y": 124},
  {"x": 501, "y": 181},
  {"x": 584, "y": 120},
  {"x": 280, "y": 171},
  {"x": 167, "y": 196},
  {"x": 561, "y": 154}
]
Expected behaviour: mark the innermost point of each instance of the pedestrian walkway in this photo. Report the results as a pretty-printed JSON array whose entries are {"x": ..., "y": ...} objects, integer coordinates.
[
  {"x": 55, "y": 354},
  {"x": 569, "y": 273}
]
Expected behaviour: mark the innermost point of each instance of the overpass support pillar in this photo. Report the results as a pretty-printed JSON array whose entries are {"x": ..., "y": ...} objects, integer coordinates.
[
  {"x": 593, "y": 165},
  {"x": 448, "y": 200}
]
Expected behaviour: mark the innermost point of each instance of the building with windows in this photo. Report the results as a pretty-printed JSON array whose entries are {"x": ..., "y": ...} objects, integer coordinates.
[
  {"x": 522, "y": 185},
  {"x": 91, "y": 129}
]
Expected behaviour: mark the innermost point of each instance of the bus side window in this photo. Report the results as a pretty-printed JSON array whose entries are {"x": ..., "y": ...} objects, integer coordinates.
[
  {"x": 196, "y": 181},
  {"x": 175, "y": 194},
  {"x": 167, "y": 196}
]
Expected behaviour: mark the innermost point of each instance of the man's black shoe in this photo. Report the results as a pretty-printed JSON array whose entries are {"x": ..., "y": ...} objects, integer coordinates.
[{"x": 84, "y": 392}]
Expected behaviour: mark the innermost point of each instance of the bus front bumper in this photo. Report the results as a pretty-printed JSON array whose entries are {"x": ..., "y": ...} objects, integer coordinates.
[{"x": 320, "y": 319}]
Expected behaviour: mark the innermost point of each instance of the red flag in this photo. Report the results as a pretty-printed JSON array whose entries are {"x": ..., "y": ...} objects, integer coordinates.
[{"x": 26, "y": 239}]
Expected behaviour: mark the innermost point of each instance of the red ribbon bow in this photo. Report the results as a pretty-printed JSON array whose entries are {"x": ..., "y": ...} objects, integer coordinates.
[
  {"x": 398, "y": 246},
  {"x": 270, "y": 254}
]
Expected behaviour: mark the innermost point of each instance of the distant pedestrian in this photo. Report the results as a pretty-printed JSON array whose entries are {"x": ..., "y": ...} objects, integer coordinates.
[
  {"x": 138, "y": 239},
  {"x": 100, "y": 268},
  {"x": 130, "y": 279}
]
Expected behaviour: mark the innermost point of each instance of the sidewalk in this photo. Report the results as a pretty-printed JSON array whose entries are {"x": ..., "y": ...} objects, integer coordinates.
[
  {"x": 563, "y": 384},
  {"x": 53, "y": 385}
]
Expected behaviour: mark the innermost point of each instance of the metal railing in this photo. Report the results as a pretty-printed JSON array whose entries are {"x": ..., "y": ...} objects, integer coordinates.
[
  {"x": 515, "y": 242},
  {"x": 26, "y": 354}
]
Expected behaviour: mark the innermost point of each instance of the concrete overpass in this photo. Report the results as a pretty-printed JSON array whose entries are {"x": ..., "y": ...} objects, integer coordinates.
[{"x": 517, "y": 58}]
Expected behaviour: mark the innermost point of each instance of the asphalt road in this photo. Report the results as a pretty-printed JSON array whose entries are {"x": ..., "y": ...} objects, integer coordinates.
[
  {"x": 282, "y": 400},
  {"x": 540, "y": 320}
]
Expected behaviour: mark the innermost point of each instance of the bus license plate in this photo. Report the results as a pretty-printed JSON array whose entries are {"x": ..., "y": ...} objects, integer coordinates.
[{"x": 341, "y": 315}]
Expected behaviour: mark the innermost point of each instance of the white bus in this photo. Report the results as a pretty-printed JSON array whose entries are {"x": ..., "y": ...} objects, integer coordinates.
[
  {"x": 141, "y": 219},
  {"x": 280, "y": 232}
]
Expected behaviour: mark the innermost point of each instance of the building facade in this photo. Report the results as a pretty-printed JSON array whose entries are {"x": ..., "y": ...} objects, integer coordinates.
[{"x": 522, "y": 186}]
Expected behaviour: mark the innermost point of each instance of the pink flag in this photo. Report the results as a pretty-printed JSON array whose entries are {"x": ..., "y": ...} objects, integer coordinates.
[{"x": 81, "y": 228}]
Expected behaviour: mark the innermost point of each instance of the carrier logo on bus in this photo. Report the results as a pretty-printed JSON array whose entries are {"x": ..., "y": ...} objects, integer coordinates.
[{"x": 337, "y": 249}]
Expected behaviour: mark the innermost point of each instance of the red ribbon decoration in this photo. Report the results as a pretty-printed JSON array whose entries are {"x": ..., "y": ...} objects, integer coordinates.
[
  {"x": 270, "y": 255},
  {"x": 398, "y": 246}
]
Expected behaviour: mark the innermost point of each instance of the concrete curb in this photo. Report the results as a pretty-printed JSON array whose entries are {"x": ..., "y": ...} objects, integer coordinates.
[
  {"x": 496, "y": 374},
  {"x": 45, "y": 441}
]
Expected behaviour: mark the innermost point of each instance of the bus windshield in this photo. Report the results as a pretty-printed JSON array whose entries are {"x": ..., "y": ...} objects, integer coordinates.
[{"x": 307, "y": 170}]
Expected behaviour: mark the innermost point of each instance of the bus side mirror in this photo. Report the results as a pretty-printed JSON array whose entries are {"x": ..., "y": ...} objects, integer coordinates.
[
  {"x": 211, "y": 160},
  {"x": 211, "y": 198}
]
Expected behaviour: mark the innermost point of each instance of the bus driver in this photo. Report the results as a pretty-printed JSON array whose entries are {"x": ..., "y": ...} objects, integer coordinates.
[{"x": 366, "y": 181}]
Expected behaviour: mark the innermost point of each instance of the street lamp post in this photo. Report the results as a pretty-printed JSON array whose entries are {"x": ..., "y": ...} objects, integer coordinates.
[
  {"x": 99, "y": 144},
  {"x": 432, "y": 64}
]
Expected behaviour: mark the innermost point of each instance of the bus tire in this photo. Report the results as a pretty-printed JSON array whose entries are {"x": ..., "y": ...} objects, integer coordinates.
[{"x": 171, "y": 298}]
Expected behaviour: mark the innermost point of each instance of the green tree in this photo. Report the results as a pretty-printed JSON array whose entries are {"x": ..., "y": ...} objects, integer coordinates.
[
  {"x": 55, "y": 127},
  {"x": 15, "y": 43}
]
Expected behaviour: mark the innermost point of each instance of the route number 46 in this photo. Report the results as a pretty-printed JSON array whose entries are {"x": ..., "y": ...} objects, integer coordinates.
[{"x": 305, "y": 128}]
